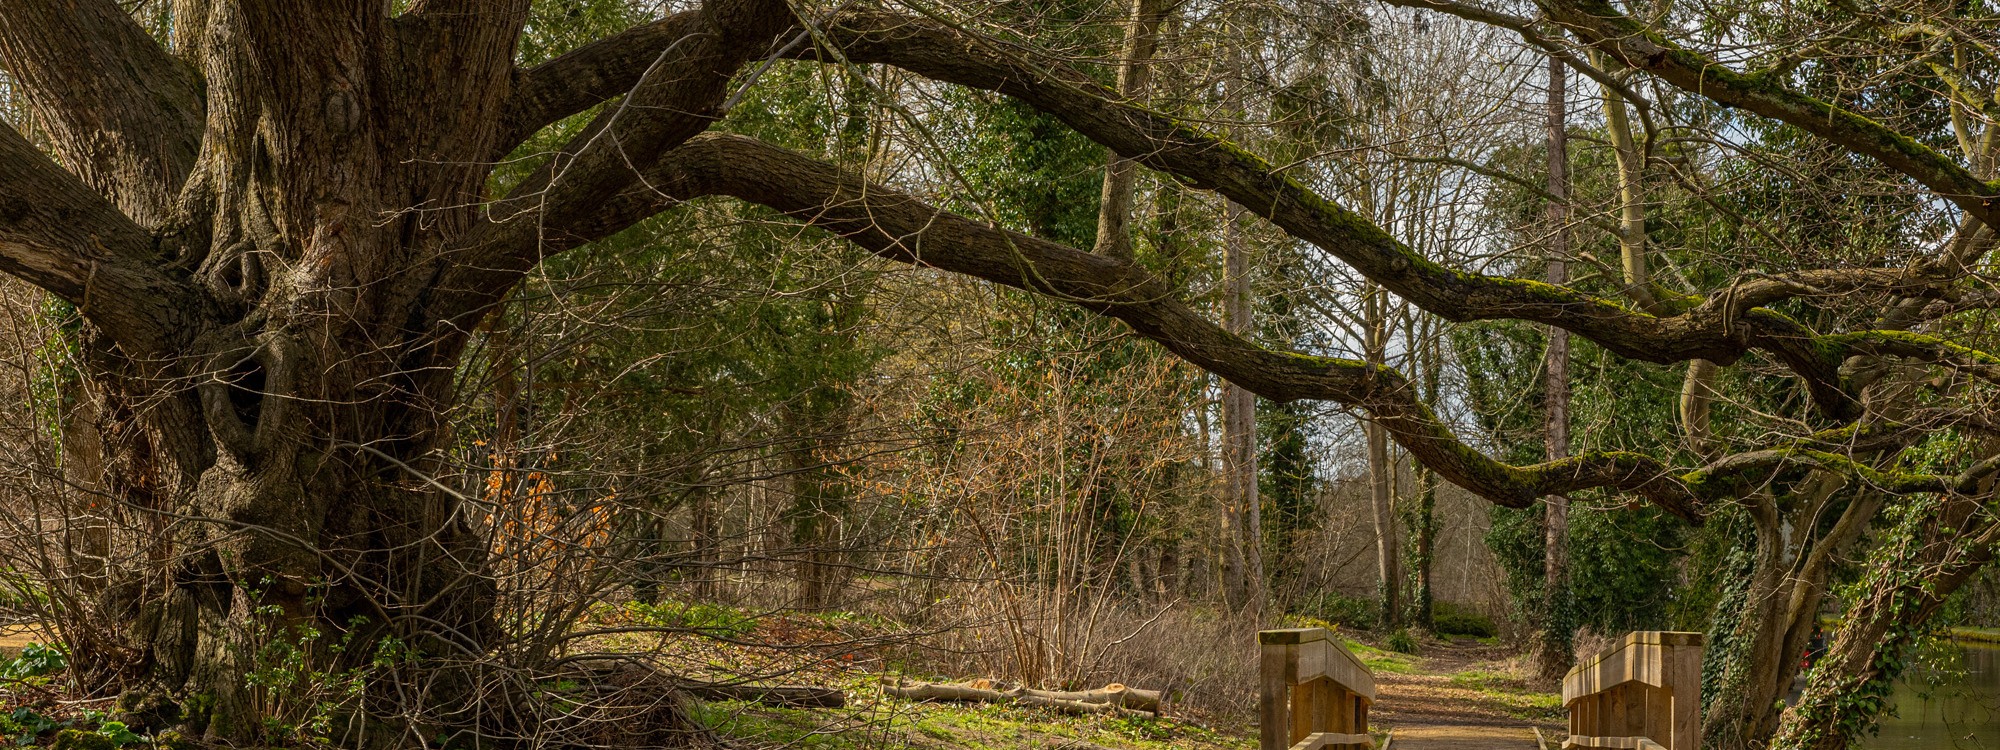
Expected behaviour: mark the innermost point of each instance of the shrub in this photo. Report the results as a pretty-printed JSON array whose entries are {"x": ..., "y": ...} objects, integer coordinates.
[
  {"x": 1341, "y": 609},
  {"x": 24, "y": 724},
  {"x": 1451, "y": 619},
  {"x": 1401, "y": 642}
]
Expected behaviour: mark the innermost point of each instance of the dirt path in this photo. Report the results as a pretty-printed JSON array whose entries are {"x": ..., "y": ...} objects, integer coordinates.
[
  {"x": 13, "y": 637},
  {"x": 1461, "y": 696},
  {"x": 1464, "y": 738}
]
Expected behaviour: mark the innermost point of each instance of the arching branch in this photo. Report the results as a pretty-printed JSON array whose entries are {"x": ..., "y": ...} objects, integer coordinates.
[
  {"x": 1206, "y": 161},
  {"x": 677, "y": 94},
  {"x": 900, "y": 227}
]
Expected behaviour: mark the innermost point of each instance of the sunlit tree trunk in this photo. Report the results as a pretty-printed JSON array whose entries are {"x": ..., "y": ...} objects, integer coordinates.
[
  {"x": 1121, "y": 175},
  {"x": 1381, "y": 478},
  {"x": 1239, "y": 420},
  {"x": 1554, "y": 656}
]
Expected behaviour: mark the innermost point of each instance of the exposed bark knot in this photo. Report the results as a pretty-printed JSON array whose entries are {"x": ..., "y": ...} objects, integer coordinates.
[{"x": 244, "y": 394}]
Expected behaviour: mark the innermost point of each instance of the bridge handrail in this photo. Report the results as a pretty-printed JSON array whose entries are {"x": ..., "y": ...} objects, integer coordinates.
[
  {"x": 1314, "y": 693},
  {"x": 1642, "y": 693}
]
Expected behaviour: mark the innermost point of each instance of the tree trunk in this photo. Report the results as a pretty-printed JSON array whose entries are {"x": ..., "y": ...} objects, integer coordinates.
[
  {"x": 284, "y": 209},
  {"x": 1229, "y": 561},
  {"x": 706, "y": 530},
  {"x": 1381, "y": 484},
  {"x": 1423, "y": 537},
  {"x": 1847, "y": 688},
  {"x": 1555, "y": 655},
  {"x": 1239, "y": 420},
  {"x": 1114, "y": 214}
]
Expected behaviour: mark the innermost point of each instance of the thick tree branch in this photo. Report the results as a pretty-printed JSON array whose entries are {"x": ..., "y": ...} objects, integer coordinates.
[
  {"x": 460, "y": 70},
  {"x": 586, "y": 76},
  {"x": 1718, "y": 329},
  {"x": 122, "y": 113},
  {"x": 58, "y": 234},
  {"x": 900, "y": 227},
  {"x": 677, "y": 95}
]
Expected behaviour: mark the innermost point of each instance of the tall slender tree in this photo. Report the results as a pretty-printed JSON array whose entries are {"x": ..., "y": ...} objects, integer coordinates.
[{"x": 1555, "y": 653}]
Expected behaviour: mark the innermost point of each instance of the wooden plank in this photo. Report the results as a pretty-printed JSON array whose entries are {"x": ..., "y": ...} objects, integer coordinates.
[
  {"x": 1577, "y": 742},
  {"x": 1659, "y": 713},
  {"x": 1292, "y": 636},
  {"x": 1302, "y": 711},
  {"x": 1635, "y": 709},
  {"x": 1644, "y": 691},
  {"x": 1613, "y": 703},
  {"x": 1639, "y": 657},
  {"x": 1322, "y": 740},
  {"x": 1685, "y": 732},
  {"x": 1274, "y": 704},
  {"x": 1311, "y": 664},
  {"x": 1348, "y": 670},
  {"x": 1310, "y": 684},
  {"x": 1328, "y": 701}
]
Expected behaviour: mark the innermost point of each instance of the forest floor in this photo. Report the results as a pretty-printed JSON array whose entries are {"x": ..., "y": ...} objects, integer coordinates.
[{"x": 1454, "y": 694}]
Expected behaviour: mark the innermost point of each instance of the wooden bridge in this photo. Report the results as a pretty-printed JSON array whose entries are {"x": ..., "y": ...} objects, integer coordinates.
[{"x": 1642, "y": 694}]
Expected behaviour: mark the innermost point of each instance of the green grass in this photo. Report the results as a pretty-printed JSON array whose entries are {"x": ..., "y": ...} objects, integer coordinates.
[
  {"x": 884, "y": 723},
  {"x": 1382, "y": 661},
  {"x": 1479, "y": 679}
]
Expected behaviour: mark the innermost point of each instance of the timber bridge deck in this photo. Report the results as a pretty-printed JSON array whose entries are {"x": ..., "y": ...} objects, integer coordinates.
[{"x": 1643, "y": 693}]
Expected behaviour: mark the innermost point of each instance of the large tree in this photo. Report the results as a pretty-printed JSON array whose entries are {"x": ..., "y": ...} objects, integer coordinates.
[{"x": 279, "y": 232}]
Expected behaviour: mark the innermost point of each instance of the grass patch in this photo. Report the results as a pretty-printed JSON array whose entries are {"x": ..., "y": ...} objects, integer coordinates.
[{"x": 1382, "y": 661}]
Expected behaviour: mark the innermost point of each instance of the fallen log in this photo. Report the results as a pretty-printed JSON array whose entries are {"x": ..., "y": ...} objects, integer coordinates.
[
  {"x": 1110, "y": 699},
  {"x": 1117, "y": 695},
  {"x": 615, "y": 673},
  {"x": 794, "y": 696}
]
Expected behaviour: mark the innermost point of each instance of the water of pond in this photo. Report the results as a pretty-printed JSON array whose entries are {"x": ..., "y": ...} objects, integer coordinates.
[{"x": 1951, "y": 701}]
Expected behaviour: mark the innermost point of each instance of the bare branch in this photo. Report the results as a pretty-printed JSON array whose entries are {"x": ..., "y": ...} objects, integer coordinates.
[{"x": 676, "y": 96}]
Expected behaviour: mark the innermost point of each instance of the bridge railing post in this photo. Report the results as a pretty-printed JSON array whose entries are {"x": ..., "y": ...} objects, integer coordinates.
[
  {"x": 1312, "y": 692},
  {"x": 1644, "y": 692}
]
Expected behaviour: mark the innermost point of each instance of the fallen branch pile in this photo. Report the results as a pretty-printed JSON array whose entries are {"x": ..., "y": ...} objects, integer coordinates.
[{"x": 1110, "y": 699}]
